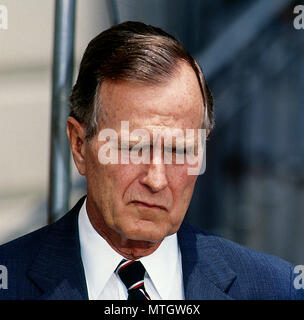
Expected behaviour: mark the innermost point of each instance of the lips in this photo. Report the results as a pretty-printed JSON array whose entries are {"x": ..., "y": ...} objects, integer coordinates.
[{"x": 149, "y": 205}]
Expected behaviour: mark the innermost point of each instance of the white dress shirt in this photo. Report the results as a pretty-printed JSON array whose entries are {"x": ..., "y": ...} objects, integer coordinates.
[{"x": 163, "y": 277}]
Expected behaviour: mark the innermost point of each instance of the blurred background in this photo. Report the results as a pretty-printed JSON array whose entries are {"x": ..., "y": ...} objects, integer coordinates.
[{"x": 253, "y": 189}]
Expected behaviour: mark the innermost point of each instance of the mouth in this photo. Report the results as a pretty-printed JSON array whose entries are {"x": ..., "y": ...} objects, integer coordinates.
[{"x": 148, "y": 205}]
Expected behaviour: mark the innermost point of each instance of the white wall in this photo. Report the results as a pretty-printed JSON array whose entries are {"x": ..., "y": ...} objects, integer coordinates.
[{"x": 25, "y": 99}]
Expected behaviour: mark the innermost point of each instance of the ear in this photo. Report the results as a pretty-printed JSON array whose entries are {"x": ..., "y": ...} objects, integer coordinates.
[{"x": 76, "y": 135}]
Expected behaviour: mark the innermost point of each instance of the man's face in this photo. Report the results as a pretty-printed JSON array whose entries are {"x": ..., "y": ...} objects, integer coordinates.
[{"x": 143, "y": 202}]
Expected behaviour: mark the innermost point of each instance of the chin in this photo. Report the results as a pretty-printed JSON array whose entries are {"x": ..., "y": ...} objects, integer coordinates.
[
  {"x": 146, "y": 236},
  {"x": 148, "y": 232}
]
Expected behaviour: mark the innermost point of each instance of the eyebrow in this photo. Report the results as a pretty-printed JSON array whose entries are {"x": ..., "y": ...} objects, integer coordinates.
[{"x": 170, "y": 143}]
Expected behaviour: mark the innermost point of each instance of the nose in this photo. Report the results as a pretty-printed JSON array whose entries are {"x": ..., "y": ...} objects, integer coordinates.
[{"x": 156, "y": 178}]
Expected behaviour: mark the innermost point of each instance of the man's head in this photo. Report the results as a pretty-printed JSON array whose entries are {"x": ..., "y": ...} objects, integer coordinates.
[{"x": 140, "y": 74}]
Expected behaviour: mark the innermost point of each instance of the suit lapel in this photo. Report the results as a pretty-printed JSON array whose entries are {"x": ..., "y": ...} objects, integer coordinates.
[
  {"x": 57, "y": 269},
  {"x": 205, "y": 272}
]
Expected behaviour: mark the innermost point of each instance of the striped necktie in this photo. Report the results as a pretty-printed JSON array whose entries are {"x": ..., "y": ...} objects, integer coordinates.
[{"x": 132, "y": 275}]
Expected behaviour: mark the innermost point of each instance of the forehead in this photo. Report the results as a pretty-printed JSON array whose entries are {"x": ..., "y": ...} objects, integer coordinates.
[{"x": 176, "y": 103}]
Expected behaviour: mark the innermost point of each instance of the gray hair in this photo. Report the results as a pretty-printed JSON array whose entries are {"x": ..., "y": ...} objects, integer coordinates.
[{"x": 131, "y": 51}]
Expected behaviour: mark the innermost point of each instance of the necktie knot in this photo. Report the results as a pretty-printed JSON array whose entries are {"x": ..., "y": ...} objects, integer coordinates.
[{"x": 132, "y": 275}]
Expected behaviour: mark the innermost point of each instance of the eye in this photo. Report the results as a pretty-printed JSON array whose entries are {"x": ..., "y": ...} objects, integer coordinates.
[
  {"x": 180, "y": 150},
  {"x": 124, "y": 147},
  {"x": 138, "y": 148},
  {"x": 135, "y": 149},
  {"x": 176, "y": 150}
]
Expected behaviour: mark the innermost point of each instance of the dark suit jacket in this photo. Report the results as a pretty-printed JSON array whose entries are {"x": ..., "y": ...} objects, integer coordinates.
[{"x": 46, "y": 264}]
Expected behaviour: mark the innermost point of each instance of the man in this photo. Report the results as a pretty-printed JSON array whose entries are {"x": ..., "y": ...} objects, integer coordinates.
[{"x": 126, "y": 238}]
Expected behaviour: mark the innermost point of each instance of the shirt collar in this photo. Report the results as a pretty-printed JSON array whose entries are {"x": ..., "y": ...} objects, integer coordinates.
[
  {"x": 99, "y": 259},
  {"x": 98, "y": 255},
  {"x": 162, "y": 265}
]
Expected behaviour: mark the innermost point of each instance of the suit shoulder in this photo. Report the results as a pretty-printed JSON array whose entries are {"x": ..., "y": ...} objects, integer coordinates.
[
  {"x": 237, "y": 252},
  {"x": 23, "y": 245},
  {"x": 32, "y": 241},
  {"x": 259, "y": 275}
]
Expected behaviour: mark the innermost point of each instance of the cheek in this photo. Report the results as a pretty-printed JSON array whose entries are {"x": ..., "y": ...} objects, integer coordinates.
[
  {"x": 123, "y": 175},
  {"x": 114, "y": 181},
  {"x": 178, "y": 176},
  {"x": 182, "y": 185}
]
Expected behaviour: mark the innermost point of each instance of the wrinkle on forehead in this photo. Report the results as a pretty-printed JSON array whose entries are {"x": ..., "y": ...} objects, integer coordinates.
[{"x": 175, "y": 103}]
